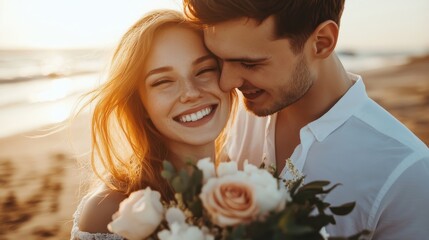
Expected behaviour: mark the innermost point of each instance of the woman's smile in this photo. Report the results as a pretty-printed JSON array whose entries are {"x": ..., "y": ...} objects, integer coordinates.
[{"x": 197, "y": 116}]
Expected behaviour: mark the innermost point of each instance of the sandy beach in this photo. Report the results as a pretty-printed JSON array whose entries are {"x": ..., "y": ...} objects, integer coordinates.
[
  {"x": 40, "y": 176},
  {"x": 40, "y": 182}
]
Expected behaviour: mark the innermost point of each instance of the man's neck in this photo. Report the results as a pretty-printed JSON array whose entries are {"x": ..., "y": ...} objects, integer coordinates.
[{"x": 330, "y": 85}]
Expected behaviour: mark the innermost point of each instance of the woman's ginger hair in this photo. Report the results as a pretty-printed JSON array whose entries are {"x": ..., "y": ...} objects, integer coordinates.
[{"x": 124, "y": 140}]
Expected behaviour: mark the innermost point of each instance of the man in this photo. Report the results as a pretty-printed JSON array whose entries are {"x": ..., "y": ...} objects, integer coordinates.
[{"x": 280, "y": 55}]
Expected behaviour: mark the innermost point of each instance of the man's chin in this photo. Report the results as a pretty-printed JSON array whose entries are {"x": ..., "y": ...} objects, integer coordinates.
[
  {"x": 264, "y": 109},
  {"x": 258, "y": 110}
]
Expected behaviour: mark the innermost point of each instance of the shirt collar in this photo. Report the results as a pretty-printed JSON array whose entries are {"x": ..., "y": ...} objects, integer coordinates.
[{"x": 341, "y": 111}]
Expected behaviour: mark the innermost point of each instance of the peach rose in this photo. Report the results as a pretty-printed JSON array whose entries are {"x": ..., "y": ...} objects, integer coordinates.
[{"x": 230, "y": 200}]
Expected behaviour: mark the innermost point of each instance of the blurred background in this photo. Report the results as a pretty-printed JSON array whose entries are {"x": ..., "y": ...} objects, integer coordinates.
[{"x": 52, "y": 51}]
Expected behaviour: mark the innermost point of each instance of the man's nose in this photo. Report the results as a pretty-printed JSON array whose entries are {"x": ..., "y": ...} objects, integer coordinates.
[{"x": 229, "y": 79}]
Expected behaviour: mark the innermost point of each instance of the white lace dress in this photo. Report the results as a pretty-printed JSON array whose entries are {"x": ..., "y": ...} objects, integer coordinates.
[{"x": 76, "y": 234}]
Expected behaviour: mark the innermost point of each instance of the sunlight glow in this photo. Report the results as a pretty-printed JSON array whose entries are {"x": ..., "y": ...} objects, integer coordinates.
[
  {"x": 59, "y": 112},
  {"x": 70, "y": 24},
  {"x": 390, "y": 24},
  {"x": 57, "y": 89}
]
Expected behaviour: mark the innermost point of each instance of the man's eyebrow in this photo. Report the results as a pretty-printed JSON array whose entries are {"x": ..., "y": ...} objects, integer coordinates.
[
  {"x": 246, "y": 60},
  {"x": 158, "y": 70}
]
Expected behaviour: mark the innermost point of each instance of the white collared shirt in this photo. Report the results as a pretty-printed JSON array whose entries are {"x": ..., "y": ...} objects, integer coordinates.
[{"x": 380, "y": 164}]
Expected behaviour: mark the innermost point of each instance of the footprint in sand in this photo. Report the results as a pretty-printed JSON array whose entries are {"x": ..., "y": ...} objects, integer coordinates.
[{"x": 6, "y": 172}]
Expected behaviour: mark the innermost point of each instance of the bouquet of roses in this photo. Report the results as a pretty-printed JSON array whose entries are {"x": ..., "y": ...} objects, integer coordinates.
[{"x": 228, "y": 204}]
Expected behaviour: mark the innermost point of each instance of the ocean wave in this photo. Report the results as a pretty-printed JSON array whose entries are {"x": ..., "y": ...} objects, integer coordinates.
[
  {"x": 53, "y": 75},
  {"x": 46, "y": 89}
]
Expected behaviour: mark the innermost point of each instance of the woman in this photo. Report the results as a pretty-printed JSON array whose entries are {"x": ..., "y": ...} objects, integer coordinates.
[{"x": 162, "y": 98}]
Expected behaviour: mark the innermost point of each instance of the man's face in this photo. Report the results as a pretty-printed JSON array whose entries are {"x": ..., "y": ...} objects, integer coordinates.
[{"x": 264, "y": 69}]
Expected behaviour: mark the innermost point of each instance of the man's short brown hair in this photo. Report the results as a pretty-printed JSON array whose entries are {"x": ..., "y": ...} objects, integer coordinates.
[{"x": 295, "y": 19}]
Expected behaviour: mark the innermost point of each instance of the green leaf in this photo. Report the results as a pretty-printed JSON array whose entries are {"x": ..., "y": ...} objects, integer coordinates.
[
  {"x": 178, "y": 185},
  {"x": 316, "y": 188},
  {"x": 168, "y": 167},
  {"x": 196, "y": 183},
  {"x": 315, "y": 185},
  {"x": 296, "y": 230},
  {"x": 196, "y": 207},
  {"x": 288, "y": 225},
  {"x": 295, "y": 186},
  {"x": 317, "y": 222},
  {"x": 167, "y": 175},
  {"x": 343, "y": 209},
  {"x": 238, "y": 233},
  {"x": 302, "y": 196},
  {"x": 357, "y": 236},
  {"x": 185, "y": 178},
  {"x": 332, "y": 188},
  {"x": 310, "y": 192},
  {"x": 197, "y": 177}
]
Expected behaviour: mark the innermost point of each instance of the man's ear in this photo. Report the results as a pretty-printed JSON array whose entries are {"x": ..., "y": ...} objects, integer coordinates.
[{"x": 324, "y": 39}]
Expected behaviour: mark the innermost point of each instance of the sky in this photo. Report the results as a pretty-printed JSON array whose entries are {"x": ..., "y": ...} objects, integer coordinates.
[{"x": 383, "y": 25}]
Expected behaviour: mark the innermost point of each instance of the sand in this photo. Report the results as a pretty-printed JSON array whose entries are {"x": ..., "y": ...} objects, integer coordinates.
[
  {"x": 40, "y": 182},
  {"x": 40, "y": 178}
]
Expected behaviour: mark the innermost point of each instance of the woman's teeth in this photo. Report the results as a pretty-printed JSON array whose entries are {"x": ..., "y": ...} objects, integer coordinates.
[{"x": 196, "y": 116}]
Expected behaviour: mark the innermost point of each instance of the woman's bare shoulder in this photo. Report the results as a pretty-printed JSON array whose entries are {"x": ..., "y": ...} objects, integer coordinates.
[{"x": 98, "y": 210}]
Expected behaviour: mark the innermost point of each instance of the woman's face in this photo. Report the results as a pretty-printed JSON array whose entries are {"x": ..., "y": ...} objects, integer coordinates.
[{"x": 180, "y": 89}]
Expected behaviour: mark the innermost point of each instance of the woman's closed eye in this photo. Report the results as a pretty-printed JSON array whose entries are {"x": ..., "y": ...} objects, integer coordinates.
[
  {"x": 161, "y": 82},
  {"x": 207, "y": 70}
]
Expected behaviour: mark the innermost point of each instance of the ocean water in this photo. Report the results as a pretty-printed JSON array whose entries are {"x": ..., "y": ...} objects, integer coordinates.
[{"x": 42, "y": 87}]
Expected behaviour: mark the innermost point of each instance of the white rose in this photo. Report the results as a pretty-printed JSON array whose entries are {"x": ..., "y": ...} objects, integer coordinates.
[
  {"x": 184, "y": 231},
  {"x": 179, "y": 229},
  {"x": 207, "y": 167},
  {"x": 324, "y": 233},
  {"x": 266, "y": 185},
  {"x": 227, "y": 168},
  {"x": 139, "y": 215},
  {"x": 175, "y": 215}
]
